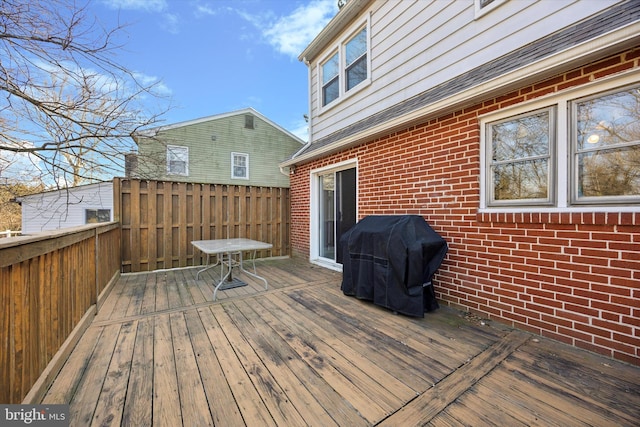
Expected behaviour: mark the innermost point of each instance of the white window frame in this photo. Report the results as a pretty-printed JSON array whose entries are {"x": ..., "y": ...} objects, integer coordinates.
[
  {"x": 551, "y": 177},
  {"x": 314, "y": 210},
  {"x": 480, "y": 10},
  {"x": 244, "y": 156},
  {"x": 340, "y": 49},
  {"x": 180, "y": 153},
  {"x": 565, "y": 171},
  {"x": 573, "y": 115}
]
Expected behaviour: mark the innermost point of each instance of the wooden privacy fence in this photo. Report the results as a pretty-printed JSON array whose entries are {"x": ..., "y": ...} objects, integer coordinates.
[
  {"x": 50, "y": 287},
  {"x": 160, "y": 219}
]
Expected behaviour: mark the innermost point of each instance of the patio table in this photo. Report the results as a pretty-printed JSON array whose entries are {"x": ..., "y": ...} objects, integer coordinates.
[{"x": 225, "y": 250}]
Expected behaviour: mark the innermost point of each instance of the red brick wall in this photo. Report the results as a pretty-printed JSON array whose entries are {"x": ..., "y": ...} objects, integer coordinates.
[{"x": 574, "y": 277}]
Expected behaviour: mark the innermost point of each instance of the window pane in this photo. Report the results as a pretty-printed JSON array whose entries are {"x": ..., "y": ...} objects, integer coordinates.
[
  {"x": 330, "y": 91},
  {"x": 609, "y": 120},
  {"x": 521, "y": 138},
  {"x": 93, "y": 216},
  {"x": 521, "y": 180},
  {"x": 330, "y": 80},
  {"x": 178, "y": 167},
  {"x": 357, "y": 72},
  {"x": 327, "y": 216},
  {"x": 607, "y": 145},
  {"x": 330, "y": 69},
  {"x": 356, "y": 47},
  {"x": 521, "y": 158},
  {"x": 609, "y": 172}
]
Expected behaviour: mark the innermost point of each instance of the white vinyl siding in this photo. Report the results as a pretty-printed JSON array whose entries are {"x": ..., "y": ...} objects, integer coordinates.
[
  {"x": 415, "y": 46},
  {"x": 65, "y": 208}
]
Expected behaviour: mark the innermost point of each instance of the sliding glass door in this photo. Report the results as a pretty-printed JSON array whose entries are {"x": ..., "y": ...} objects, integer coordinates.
[{"x": 336, "y": 211}]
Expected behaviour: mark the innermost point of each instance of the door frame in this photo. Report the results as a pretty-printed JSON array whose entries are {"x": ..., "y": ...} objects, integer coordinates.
[{"x": 314, "y": 210}]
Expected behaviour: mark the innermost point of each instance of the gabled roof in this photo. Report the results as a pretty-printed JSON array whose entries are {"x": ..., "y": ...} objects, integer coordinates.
[
  {"x": 616, "y": 28},
  {"x": 154, "y": 131},
  {"x": 83, "y": 187}
]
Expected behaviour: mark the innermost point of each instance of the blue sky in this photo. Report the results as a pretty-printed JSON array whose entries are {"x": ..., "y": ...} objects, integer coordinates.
[{"x": 216, "y": 56}]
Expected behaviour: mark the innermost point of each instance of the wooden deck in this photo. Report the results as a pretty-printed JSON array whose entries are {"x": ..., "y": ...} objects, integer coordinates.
[{"x": 161, "y": 352}]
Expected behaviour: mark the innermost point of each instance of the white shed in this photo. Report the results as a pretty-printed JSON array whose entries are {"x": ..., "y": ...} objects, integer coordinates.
[{"x": 68, "y": 207}]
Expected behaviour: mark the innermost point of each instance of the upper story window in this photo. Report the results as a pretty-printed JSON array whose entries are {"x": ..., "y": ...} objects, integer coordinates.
[
  {"x": 330, "y": 79},
  {"x": 580, "y": 149},
  {"x": 177, "y": 160},
  {"x": 346, "y": 68},
  {"x": 356, "y": 59},
  {"x": 239, "y": 166}
]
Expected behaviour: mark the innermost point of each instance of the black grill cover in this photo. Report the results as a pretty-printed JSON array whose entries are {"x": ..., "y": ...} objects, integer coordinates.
[{"x": 390, "y": 260}]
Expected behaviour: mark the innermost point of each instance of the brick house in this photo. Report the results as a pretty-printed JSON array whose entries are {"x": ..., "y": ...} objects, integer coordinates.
[{"x": 512, "y": 128}]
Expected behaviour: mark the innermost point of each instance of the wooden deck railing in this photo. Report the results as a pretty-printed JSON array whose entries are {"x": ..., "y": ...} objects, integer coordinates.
[{"x": 50, "y": 286}]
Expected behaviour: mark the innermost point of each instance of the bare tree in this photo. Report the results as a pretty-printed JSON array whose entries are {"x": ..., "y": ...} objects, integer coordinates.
[{"x": 66, "y": 101}]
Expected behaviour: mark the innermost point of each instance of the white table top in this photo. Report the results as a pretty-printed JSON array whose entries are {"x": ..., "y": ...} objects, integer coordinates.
[{"x": 229, "y": 245}]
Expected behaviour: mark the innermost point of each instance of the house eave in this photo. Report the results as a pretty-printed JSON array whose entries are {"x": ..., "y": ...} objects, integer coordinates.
[
  {"x": 609, "y": 43},
  {"x": 344, "y": 16}
]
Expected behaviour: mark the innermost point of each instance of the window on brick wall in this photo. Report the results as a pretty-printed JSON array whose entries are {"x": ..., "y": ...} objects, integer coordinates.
[
  {"x": 571, "y": 150},
  {"x": 606, "y": 147},
  {"x": 520, "y": 159}
]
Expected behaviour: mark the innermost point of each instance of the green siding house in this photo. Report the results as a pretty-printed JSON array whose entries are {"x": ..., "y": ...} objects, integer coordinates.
[{"x": 237, "y": 148}]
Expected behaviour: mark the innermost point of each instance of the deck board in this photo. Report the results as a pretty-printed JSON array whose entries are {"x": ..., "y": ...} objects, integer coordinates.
[
  {"x": 137, "y": 410},
  {"x": 161, "y": 352}
]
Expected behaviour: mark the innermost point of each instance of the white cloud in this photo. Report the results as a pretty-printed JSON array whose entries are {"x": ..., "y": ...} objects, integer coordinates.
[
  {"x": 158, "y": 86},
  {"x": 149, "y": 5},
  {"x": 205, "y": 10},
  {"x": 171, "y": 23},
  {"x": 301, "y": 130},
  {"x": 290, "y": 34}
]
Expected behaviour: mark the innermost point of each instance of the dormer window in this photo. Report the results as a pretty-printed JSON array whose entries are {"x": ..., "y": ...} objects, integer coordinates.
[{"x": 346, "y": 68}]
